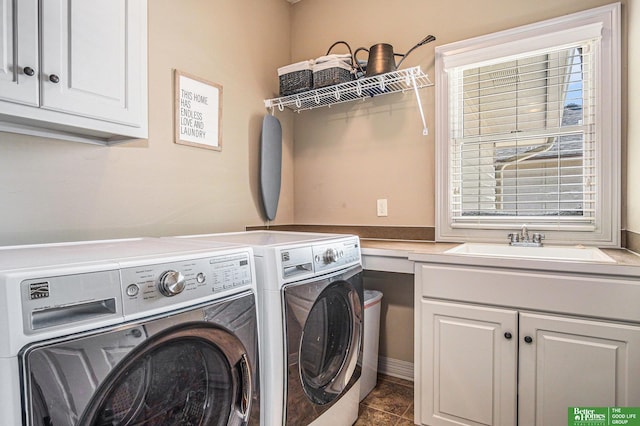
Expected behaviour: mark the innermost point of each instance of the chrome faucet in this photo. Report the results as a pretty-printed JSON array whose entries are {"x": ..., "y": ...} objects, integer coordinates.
[{"x": 523, "y": 239}]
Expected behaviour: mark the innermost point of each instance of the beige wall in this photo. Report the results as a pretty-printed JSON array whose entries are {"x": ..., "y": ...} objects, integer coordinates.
[
  {"x": 396, "y": 313},
  {"x": 345, "y": 157},
  {"x": 348, "y": 156},
  {"x": 60, "y": 191}
]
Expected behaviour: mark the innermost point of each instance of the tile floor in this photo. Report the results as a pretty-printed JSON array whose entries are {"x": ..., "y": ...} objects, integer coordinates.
[{"x": 390, "y": 403}]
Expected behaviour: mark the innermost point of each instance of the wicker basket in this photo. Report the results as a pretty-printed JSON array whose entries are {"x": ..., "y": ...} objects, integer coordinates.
[
  {"x": 330, "y": 76},
  {"x": 333, "y": 69},
  {"x": 295, "y": 82},
  {"x": 295, "y": 78}
]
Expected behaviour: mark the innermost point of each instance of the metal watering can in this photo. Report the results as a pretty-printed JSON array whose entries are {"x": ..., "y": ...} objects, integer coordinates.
[{"x": 382, "y": 59}]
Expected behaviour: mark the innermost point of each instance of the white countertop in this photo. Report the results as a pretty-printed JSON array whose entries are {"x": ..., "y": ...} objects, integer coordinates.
[{"x": 400, "y": 256}]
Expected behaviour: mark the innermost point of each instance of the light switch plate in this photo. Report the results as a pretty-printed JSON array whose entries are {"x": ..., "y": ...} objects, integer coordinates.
[{"x": 382, "y": 207}]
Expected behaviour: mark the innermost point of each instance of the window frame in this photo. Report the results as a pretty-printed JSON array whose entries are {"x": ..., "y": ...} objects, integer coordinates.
[{"x": 603, "y": 21}]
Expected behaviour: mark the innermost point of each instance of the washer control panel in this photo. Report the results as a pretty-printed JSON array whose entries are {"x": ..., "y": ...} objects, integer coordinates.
[{"x": 148, "y": 287}]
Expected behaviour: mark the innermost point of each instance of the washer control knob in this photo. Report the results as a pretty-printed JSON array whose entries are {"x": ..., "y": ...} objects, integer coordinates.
[
  {"x": 201, "y": 278},
  {"x": 330, "y": 256},
  {"x": 132, "y": 290},
  {"x": 171, "y": 283}
]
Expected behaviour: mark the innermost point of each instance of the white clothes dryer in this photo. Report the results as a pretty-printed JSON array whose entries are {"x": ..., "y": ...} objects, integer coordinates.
[
  {"x": 140, "y": 331},
  {"x": 310, "y": 299}
]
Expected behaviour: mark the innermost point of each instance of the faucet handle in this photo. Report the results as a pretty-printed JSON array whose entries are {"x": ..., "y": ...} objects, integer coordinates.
[{"x": 538, "y": 237}]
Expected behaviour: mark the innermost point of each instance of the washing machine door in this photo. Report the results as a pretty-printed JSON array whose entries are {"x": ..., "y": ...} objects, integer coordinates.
[
  {"x": 173, "y": 371},
  {"x": 324, "y": 337},
  {"x": 191, "y": 375}
]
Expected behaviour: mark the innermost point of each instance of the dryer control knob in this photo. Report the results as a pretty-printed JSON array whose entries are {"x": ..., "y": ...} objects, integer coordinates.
[
  {"x": 171, "y": 283},
  {"x": 330, "y": 256}
]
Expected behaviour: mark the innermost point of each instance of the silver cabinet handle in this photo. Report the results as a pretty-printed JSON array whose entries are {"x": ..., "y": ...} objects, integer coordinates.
[
  {"x": 29, "y": 71},
  {"x": 54, "y": 79}
]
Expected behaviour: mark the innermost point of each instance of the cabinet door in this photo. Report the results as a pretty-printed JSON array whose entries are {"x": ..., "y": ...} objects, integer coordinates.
[
  {"x": 19, "y": 51},
  {"x": 93, "y": 58},
  {"x": 468, "y": 365},
  {"x": 573, "y": 362}
]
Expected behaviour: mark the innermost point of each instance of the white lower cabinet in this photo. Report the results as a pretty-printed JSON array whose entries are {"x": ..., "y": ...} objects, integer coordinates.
[
  {"x": 575, "y": 362},
  {"x": 469, "y": 367},
  {"x": 481, "y": 365}
]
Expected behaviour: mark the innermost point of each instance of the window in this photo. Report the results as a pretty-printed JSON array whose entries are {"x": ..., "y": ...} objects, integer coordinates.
[{"x": 528, "y": 132}]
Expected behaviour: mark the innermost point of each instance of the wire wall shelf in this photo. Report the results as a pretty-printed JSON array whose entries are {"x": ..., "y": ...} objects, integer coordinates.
[
  {"x": 361, "y": 89},
  {"x": 409, "y": 79}
]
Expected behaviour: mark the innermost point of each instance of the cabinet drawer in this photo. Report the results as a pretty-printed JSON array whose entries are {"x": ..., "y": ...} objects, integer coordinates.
[{"x": 599, "y": 297}]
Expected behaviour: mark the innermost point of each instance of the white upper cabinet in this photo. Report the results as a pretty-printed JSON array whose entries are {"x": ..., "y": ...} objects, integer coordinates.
[
  {"x": 81, "y": 74},
  {"x": 19, "y": 64}
]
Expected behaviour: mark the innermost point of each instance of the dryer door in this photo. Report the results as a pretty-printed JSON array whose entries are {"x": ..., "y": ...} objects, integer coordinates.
[{"x": 324, "y": 337}]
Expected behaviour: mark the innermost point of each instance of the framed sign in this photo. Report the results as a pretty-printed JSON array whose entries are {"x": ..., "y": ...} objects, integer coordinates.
[{"x": 198, "y": 112}]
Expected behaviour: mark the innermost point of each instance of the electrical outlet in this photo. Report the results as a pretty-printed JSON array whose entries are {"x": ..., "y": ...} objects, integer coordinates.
[{"x": 382, "y": 207}]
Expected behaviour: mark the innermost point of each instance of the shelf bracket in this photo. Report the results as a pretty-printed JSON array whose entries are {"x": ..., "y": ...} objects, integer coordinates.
[{"x": 425, "y": 129}]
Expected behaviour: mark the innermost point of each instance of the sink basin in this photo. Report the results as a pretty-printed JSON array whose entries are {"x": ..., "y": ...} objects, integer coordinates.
[{"x": 565, "y": 253}]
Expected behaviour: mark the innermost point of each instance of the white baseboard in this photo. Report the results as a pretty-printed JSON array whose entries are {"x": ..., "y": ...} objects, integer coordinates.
[{"x": 395, "y": 368}]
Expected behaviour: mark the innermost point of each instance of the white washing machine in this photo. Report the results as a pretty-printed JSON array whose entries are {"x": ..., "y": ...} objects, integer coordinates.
[
  {"x": 141, "y": 331},
  {"x": 310, "y": 300}
]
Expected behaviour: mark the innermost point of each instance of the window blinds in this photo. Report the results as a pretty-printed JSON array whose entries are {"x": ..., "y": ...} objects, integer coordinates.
[{"x": 522, "y": 139}]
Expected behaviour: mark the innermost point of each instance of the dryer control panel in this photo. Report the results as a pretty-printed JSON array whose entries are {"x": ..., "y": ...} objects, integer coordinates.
[
  {"x": 336, "y": 255},
  {"x": 305, "y": 261},
  {"x": 148, "y": 287}
]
